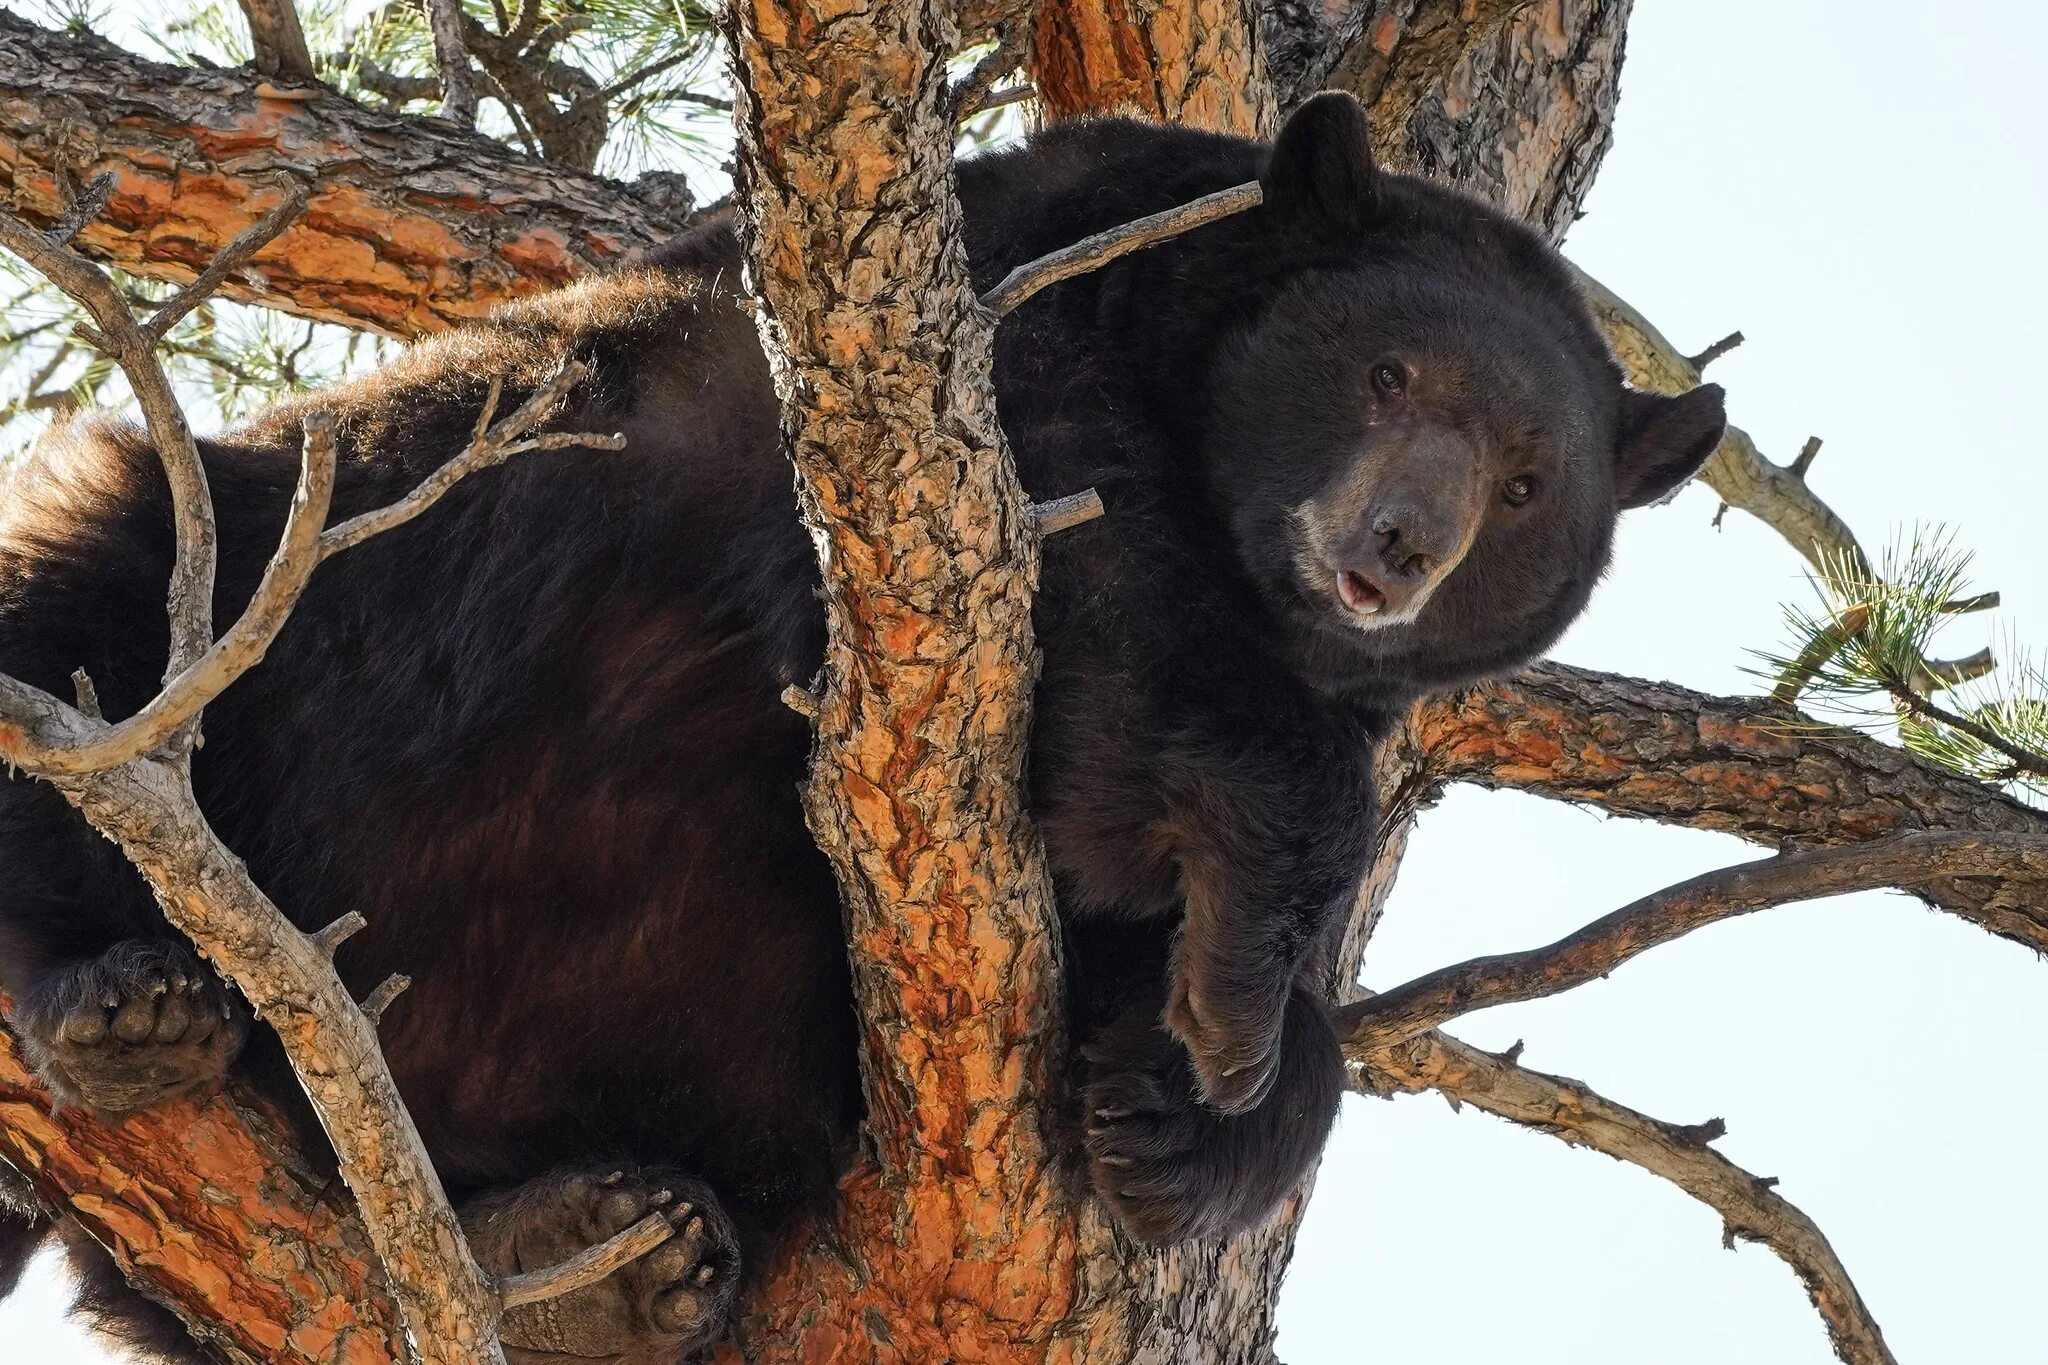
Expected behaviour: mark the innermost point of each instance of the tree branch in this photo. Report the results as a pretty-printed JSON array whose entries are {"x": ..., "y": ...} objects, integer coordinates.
[
  {"x": 279, "y": 41},
  {"x": 1907, "y": 861},
  {"x": 1393, "y": 60},
  {"x": 206, "y": 1204},
  {"x": 2022, "y": 760},
  {"x": 1092, "y": 253},
  {"x": 586, "y": 1267},
  {"x": 132, "y": 782},
  {"x": 1200, "y": 64},
  {"x": 411, "y": 226},
  {"x": 929, "y": 562},
  {"x": 1777, "y": 495},
  {"x": 1743, "y": 766},
  {"x": 451, "y": 59},
  {"x": 1750, "y": 1209}
]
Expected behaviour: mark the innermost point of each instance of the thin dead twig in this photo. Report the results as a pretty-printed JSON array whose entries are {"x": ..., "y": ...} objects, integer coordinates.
[
  {"x": 1751, "y": 1209},
  {"x": 1092, "y": 253},
  {"x": 52, "y": 745},
  {"x": 489, "y": 447},
  {"x": 1907, "y": 860}
]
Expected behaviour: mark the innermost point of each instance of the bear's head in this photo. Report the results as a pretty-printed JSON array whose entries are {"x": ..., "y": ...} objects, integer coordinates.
[{"x": 1421, "y": 442}]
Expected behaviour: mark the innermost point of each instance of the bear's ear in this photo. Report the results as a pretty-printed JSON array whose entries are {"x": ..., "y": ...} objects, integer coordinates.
[
  {"x": 1664, "y": 441},
  {"x": 1320, "y": 172}
]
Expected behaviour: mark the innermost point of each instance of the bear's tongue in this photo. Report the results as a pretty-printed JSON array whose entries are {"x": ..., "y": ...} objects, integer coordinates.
[{"x": 1358, "y": 594}]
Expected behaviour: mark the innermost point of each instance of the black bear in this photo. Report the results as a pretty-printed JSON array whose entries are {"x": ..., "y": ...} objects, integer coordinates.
[{"x": 1359, "y": 443}]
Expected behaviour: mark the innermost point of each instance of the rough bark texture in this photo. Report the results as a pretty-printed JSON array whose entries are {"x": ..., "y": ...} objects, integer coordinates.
[
  {"x": 413, "y": 225},
  {"x": 958, "y": 1240},
  {"x": 278, "y": 40},
  {"x": 1199, "y": 64},
  {"x": 1512, "y": 100},
  {"x": 208, "y": 1205}
]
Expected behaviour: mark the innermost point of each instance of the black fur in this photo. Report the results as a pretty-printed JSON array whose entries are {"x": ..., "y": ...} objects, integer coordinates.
[{"x": 535, "y": 737}]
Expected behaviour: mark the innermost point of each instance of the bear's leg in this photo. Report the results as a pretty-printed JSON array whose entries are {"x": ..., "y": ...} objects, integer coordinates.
[
  {"x": 143, "y": 1022},
  {"x": 657, "y": 1310},
  {"x": 1172, "y": 1168}
]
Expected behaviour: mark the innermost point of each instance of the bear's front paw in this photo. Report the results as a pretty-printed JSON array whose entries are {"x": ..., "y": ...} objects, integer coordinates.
[
  {"x": 1170, "y": 1167},
  {"x": 1232, "y": 1034},
  {"x": 141, "y": 1024}
]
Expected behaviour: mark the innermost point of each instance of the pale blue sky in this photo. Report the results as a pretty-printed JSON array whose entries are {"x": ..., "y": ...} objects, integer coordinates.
[{"x": 1860, "y": 188}]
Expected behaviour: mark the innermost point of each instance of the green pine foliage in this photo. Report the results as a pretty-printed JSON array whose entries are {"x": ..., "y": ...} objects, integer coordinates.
[{"x": 1862, "y": 649}]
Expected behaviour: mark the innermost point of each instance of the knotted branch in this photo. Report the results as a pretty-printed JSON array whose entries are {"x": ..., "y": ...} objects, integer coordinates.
[{"x": 1751, "y": 1210}]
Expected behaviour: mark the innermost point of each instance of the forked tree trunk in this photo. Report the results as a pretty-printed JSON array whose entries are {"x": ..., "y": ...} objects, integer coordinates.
[{"x": 964, "y": 1238}]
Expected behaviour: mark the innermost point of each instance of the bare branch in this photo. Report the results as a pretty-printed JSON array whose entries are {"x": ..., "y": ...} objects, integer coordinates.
[
  {"x": 491, "y": 446},
  {"x": 279, "y": 40},
  {"x": 88, "y": 695},
  {"x": 586, "y": 1267},
  {"x": 1906, "y": 861},
  {"x": 330, "y": 939},
  {"x": 377, "y": 1001},
  {"x": 1715, "y": 351},
  {"x": 1092, "y": 253},
  {"x": 1064, "y": 514},
  {"x": 451, "y": 59},
  {"x": 1776, "y": 495},
  {"x": 1962, "y": 606},
  {"x": 1739, "y": 765},
  {"x": 231, "y": 258},
  {"x": 1751, "y": 1210},
  {"x": 1803, "y": 461}
]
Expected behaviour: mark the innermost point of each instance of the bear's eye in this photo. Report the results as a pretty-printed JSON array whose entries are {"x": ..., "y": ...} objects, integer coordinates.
[
  {"x": 1389, "y": 379},
  {"x": 1518, "y": 490}
]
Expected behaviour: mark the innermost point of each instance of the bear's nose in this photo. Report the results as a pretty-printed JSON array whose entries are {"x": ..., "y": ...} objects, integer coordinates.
[{"x": 1408, "y": 547}]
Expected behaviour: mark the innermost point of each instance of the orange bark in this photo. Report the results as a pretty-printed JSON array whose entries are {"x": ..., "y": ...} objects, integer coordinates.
[
  {"x": 1198, "y": 64},
  {"x": 205, "y": 1204},
  {"x": 412, "y": 226}
]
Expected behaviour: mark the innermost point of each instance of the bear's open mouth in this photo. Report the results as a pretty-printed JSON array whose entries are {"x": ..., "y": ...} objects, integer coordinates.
[{"x": 1358, "y": 594}]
